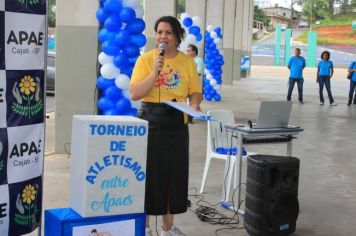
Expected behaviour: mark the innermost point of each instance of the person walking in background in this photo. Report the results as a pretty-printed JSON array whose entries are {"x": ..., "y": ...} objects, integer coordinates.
[
  {"x": 323, "y": 76},
  {"x": 352, "y": 72},
  {"x": 296, "y": 66},
  {"x": 166, "y": 75}
]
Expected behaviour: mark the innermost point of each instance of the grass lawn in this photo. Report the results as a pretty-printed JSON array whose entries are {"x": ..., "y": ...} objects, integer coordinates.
[{"x": 334, "y": 31}]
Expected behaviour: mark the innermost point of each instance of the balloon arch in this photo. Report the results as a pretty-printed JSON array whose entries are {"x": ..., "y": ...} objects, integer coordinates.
[{"x": 121, "y": 37}]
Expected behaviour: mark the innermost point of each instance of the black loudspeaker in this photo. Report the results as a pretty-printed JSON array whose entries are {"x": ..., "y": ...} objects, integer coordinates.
[{"x": 271, "y": 204}]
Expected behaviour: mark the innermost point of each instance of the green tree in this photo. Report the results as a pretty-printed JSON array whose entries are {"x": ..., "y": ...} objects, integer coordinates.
[
  {"x": 259, "y": 15},
  {"x": 51, "y": 14},
  {"x": 314, "y": 10},
  {"x": 346, "y": 6},
  {"x": 330, "y": 7}
]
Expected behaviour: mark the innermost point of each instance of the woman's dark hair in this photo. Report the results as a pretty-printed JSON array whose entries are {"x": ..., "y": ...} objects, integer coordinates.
[
  {"x": 178, "y": 31},
  {"x": 194, "y": 48},
  {"x": 325, "y": 52},
  {"x": 93, "y": 231}
]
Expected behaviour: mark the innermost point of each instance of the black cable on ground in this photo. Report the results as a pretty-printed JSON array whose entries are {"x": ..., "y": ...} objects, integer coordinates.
[{"x": 206, "y": 212}]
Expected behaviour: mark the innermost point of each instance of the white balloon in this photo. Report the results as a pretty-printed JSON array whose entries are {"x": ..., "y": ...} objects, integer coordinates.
[
  {"x": 214, "y": 35},
  {"x": 104, "y": 58},
  {"x": 209, "y": 76},
  {"x": 206, "y": 71},
  {"x": 184, "y": 15},
  {"x": 126, "y": 93},
  {"x": 196, "y": 20},
  {"x": 209, "y": 28},
  {"x": 212, "y": 82},
  {"x": 183, "y": 46},
  {"x": 217, "y": 87},
  {"x": 139, "y": 11},
  {"x": 122, "y": 81},
  {"x": 136, "y": 104},
  {"x": 190, "y": 39},
  {"x": 109, "y": 71},
  {"x": 131, "y": 3},
  {"x": 217, "y": 40},
  {"x": 221, "y": 52}
]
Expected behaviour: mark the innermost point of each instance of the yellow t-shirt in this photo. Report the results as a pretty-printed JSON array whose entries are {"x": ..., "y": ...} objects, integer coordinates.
[{"x": 177, "y": 79}]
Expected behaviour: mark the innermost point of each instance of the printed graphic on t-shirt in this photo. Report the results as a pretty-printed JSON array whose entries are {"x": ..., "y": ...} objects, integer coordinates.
[{"x": 168, "y": 78}]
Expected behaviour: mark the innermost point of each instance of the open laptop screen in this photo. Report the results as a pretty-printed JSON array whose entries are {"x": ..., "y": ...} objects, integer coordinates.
[{"x": 273, "y": 114}]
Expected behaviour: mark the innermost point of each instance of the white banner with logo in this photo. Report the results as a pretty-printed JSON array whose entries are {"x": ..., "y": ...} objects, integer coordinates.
[{"x": 23, "y": 43}]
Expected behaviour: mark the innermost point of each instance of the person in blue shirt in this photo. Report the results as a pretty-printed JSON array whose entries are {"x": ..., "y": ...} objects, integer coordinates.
[
  {"x": 296, "y": 65},
  {"x": 192, "y": 51},
  {"x": 323, "y": 76},
  {"x": 352, "y": 69}
]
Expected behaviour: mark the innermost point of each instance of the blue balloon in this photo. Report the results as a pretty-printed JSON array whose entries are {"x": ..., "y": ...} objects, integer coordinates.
[
  {"x": 103, "y": 83},
  {"x": 217, "y": 30},
  {"x": 208, "y": 88},
  {"x": 187, "y": 22},
  {"x": 136, "y": 26},
  {"x": 208, "y": 66},
  {"x": 101, "y": 15},
  {"x": 133, "y": 60},
  {"x": 212, "y": 47},
  {"x": 132, "y": 112},
  {"x": 105, "y": 35},
  {"x": 110, "y": 47},
  {"x": 101, "y": 3},
  {"x": 111, "y": 112},
  {"x": 123, "y": 105},
  {"x": 138, "y": 39},
  {"x": 121, "y": 60},
  {"x": 122, "y": 38},
  {"x": 127, "y": 14},
  {"x": 132, "y": 50},
  {"x": 113, "y": 93},
  {"x": 105, "y": 104},
  {"x": 208, "y": 97},
  {"x": 217, "y": 97},
  {"x": 113, "y": 23},
  {"x": 194, "y": 30},
  {"x": 215, "y": 52},
  {"x": 198, "y": 37},
  {"x": 208, "y": 56},
  {"x": 212, "y": 92},
  {"x": 221, "y": 150},
  {"x": 209, "y": 41},
  {"x": 127, "y": 71},
  {"x": 112, "y": 6}
]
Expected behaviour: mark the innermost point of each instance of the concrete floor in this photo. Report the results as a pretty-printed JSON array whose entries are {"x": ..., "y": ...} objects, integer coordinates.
[{"x": 327, "y": 190}]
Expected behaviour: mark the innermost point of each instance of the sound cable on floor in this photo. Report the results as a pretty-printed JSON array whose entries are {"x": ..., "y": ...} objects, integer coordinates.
[{"x": 207, "y": 213}]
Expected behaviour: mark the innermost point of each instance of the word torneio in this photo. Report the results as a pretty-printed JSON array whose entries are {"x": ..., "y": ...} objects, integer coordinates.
[{"x": 117, "y": 130}]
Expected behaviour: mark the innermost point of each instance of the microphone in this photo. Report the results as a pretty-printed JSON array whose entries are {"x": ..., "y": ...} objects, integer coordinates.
[{"x": 162, "y": 48}]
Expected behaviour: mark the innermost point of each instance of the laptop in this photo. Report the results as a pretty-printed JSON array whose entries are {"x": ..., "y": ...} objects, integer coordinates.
[{"x": 273, "y": 114}]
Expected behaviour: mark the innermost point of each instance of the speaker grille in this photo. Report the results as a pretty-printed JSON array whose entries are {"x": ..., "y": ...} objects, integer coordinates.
[{"x": 271, "y": 206}]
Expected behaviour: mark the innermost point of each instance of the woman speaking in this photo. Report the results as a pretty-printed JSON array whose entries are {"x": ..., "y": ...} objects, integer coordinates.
[{"x": 166, "y": 74}]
